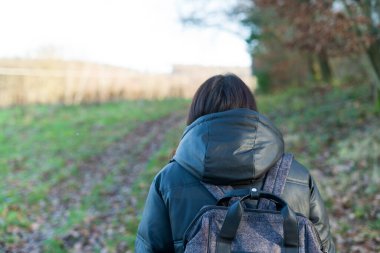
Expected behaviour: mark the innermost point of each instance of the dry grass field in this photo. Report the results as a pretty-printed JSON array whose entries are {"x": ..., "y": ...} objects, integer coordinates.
[{"x": 46, "y": 81}]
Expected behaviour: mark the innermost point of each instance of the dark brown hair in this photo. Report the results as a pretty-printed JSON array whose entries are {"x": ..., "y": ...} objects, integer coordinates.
[{"x": 220, "y": 93}]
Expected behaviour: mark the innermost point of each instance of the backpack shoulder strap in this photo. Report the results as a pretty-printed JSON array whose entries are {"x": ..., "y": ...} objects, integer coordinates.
[
  {"x": 221, "y": 191},
  {"x": 275, "y": 180},
  {"x": 217, "y": 191}
]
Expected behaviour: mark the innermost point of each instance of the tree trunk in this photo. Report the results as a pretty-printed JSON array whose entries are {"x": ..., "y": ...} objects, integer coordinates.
[
  {"x": 373, "y": 53},
  {"x": 311, "y": 68},
  {"x": 325, "y": 66}
]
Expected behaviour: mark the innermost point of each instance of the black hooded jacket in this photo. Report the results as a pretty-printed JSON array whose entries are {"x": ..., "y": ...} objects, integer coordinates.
[{"x": 235, "y": 147}]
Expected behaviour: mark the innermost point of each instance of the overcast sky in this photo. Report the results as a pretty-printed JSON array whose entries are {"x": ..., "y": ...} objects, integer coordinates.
[{"x": 140, "y": 34}]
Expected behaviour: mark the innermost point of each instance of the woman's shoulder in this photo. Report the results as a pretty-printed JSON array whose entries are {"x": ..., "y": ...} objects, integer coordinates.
[
  {"x": 298, "y": 173},
  {"x": 173, "y": 175}
]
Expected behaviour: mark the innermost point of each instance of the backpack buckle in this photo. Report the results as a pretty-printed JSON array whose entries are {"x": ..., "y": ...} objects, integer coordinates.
[{"x": 254, "y": 194}]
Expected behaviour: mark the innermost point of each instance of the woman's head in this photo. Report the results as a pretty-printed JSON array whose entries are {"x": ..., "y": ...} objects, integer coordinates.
[{"x": 220, "y": 93}]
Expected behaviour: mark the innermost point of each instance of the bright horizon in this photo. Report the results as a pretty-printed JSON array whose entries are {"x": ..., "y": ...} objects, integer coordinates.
[{"x": 144, "y": 35}]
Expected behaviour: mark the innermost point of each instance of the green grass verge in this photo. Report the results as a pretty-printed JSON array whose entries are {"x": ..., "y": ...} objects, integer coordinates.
[{"x": 41, "y": 145}]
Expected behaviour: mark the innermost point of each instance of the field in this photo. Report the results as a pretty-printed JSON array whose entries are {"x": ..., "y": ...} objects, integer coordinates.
[
  {"x": 74, "y": 178},
  {"x": 67, "y": 168},
  {"x": 51, "y": 81}
]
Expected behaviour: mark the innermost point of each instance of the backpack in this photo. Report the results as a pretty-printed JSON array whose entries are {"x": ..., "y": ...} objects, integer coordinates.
[{"x": 273, "y": 226}]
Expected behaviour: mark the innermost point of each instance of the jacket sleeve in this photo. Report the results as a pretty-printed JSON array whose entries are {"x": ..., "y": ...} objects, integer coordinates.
[
  {"x": 318, "y": 215},
  {"x": 154, "y": 232}
]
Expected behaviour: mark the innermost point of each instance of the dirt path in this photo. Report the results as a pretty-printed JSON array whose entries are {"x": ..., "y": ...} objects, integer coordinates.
[{"x": 121, "y": 162}]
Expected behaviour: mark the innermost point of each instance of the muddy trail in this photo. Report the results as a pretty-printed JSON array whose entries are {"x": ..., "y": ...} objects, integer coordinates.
[{"x": 105, "y": 204}]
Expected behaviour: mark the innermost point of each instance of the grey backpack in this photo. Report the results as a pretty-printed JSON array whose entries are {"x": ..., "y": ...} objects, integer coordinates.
[{"x": 273, "y": 227}]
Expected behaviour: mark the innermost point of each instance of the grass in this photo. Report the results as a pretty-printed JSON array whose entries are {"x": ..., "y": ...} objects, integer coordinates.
[
  {"x": 44, "y": 145},
  {"x": 50, "y": 81},
  {"x": 141, "y": 186}
]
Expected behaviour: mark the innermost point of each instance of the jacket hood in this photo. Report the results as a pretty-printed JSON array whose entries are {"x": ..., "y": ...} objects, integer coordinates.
[{"x": 230, "y": 147}]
